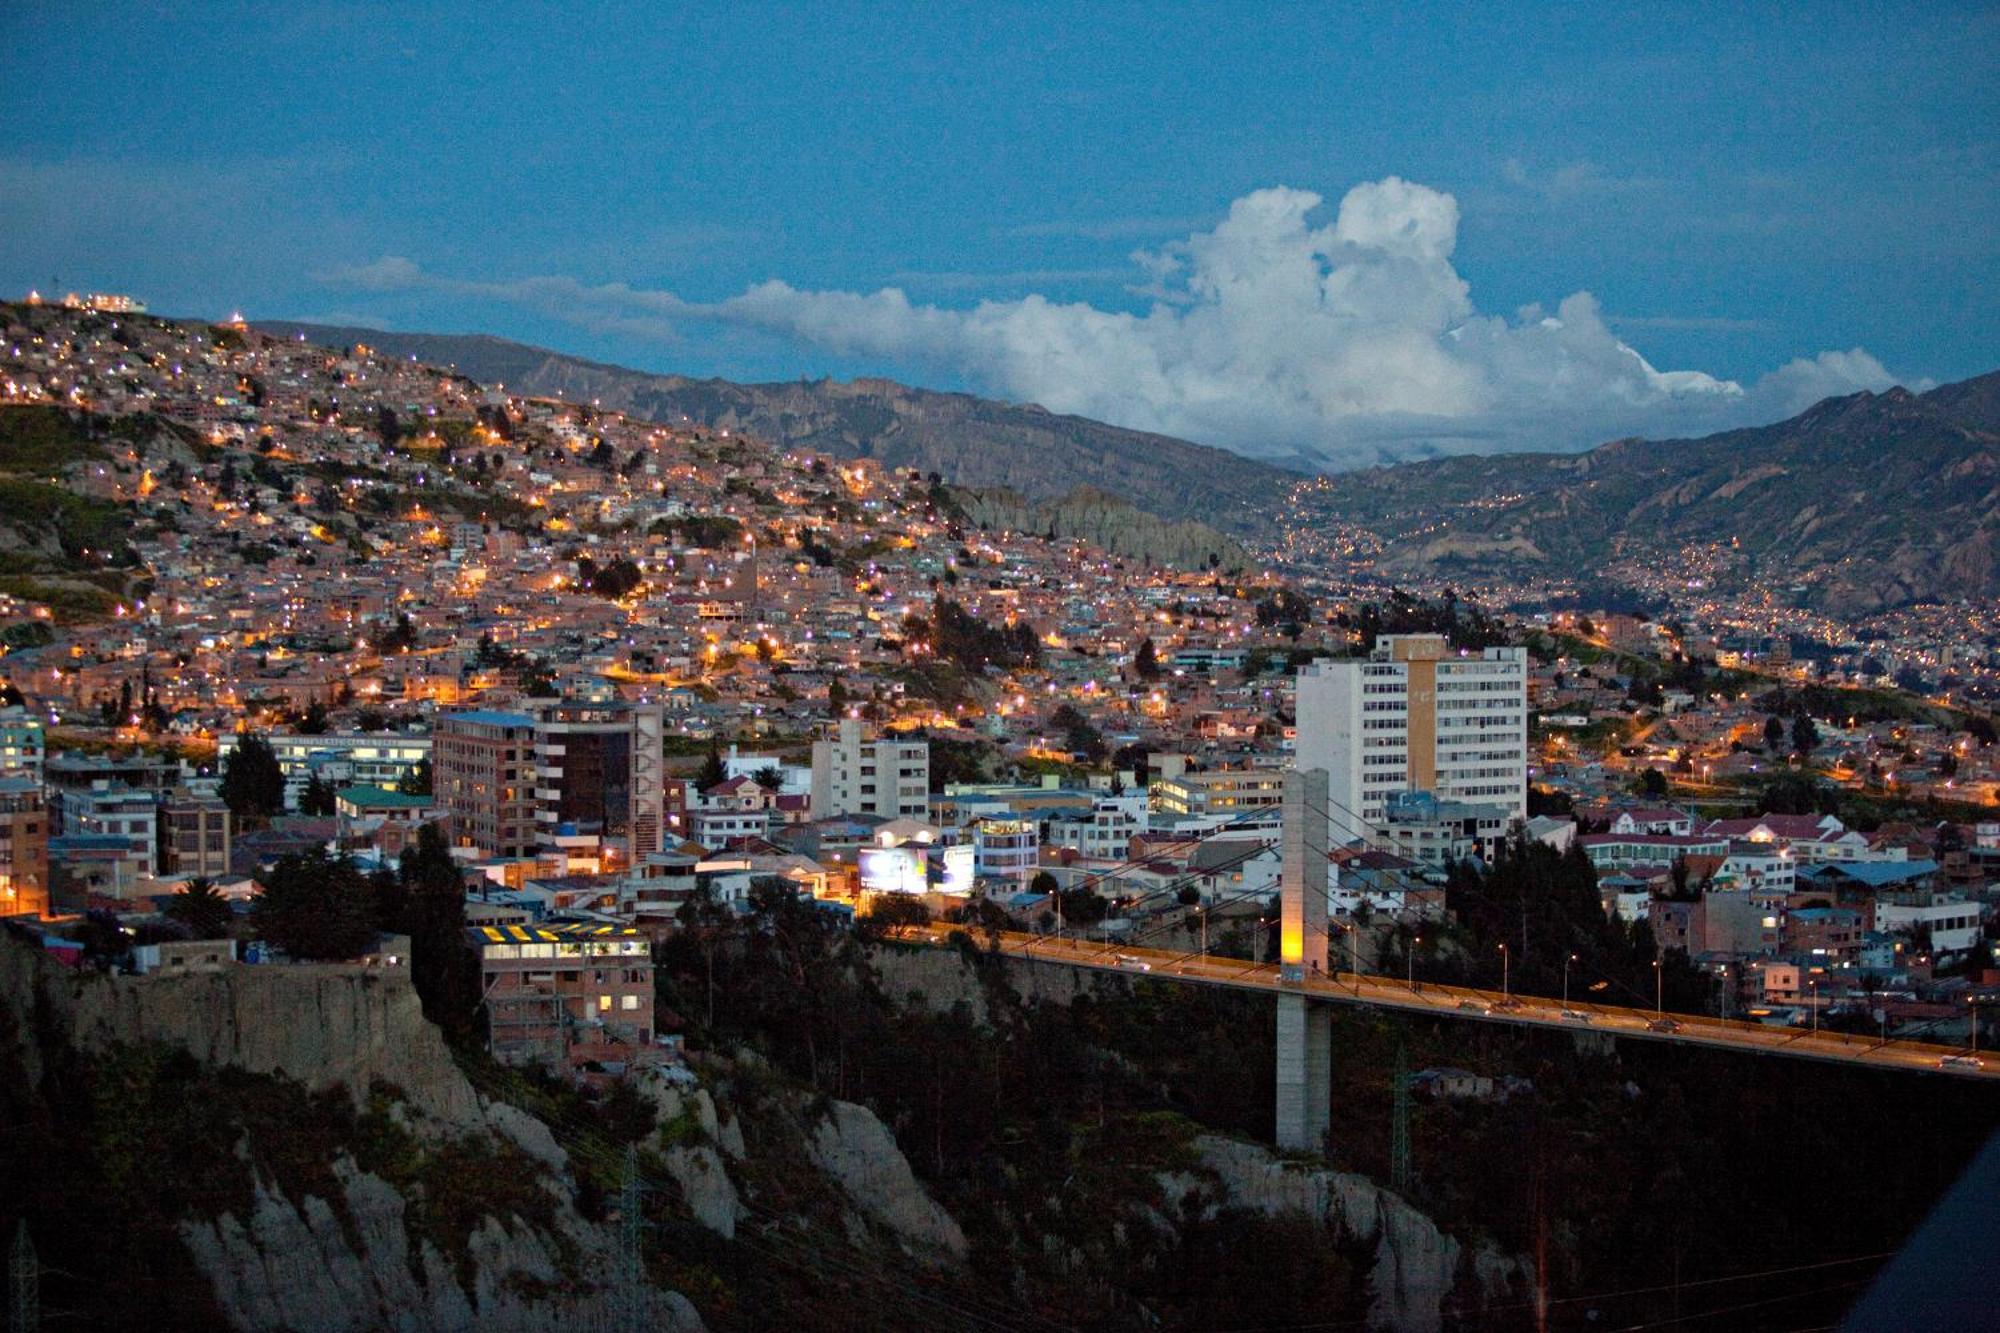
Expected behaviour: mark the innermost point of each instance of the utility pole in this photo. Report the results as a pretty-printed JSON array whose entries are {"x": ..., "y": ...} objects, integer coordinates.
[
  {"x": 631, "y": 1262},
  {"x": 1399, "y": 1129},
  {"x": 24, "y": 1283}
]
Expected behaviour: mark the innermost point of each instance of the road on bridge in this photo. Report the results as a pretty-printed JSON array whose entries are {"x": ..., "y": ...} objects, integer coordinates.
[{"x": 1481, "y": 1005}]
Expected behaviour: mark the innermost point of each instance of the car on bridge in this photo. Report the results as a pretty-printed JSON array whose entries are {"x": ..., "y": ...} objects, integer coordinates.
[
  {"x": 1970, "y": 1064},
  {"x": 1578, "y": 1016},
  {"x": 1662, "y": 1025},
  {"x": 1127, "y": 961},
  {"x": 1476, "y": 1006}
]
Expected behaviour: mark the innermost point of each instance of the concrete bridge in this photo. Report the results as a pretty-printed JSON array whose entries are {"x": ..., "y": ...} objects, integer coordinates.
[{"x": 1305, "y": 988}]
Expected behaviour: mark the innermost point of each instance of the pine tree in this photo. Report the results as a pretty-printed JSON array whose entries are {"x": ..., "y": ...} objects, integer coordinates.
[
  {"x": 253, "y": 784},
  {"x": 317, "y": 798},
  {"x": 713, "y": 774}
]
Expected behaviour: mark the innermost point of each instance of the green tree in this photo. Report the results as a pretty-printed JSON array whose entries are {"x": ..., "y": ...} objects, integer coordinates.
[
  {"x": 712, "y": 774},
  {"x": 313, "y": 721},
  {"x": 1805, "y": 735},
  {"x": 1774, "y": 733},
  {"x": 317, "y": 799},
  {"x": 316, "y": 906},
  {"x": 198, "y": 906},
  {"x": 418, "y": 783},
  {"x": 1147, "y": 661},
  {"x": 443, "y": 967},
  {"x": 253, "y": 785}
]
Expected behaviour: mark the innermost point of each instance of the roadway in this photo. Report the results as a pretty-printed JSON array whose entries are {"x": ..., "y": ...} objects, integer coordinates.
[{"x": 1441, "y": 1001}]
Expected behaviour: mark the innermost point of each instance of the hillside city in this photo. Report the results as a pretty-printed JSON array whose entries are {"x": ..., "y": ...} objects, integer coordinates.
[{"x": 273, "y": 607}]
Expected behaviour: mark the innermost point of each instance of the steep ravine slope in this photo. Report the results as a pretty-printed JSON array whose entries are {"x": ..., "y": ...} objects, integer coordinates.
[{"x": 305, "y": 1136}]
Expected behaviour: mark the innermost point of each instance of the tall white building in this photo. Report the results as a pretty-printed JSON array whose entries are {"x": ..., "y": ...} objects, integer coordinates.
[
  {"x": 1416, "y": 716},
  {"x": 852, "y": 776}
]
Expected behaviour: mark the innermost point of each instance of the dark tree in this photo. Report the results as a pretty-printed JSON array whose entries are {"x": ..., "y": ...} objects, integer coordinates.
[
  {"x": 1147, "y": 662},
  {"x": 443, "y": 967},
  {"x": 312, "y": 722},
  {"x": 316, "y": 906},
  {"x": 712, "y": 774},
  {"x": 253, "y": 785},
  {"x": 205, "y": 912},
  {"x": 317, "y": 799},
  {"x": 418, "y": 783}
]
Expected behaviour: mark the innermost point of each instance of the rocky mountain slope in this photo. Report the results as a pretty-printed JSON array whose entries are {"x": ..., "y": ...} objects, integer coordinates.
[
  {"x": 1869, "y": 501},
  {"x": 1111, "y": 522},
  {"x": 973, "y": 442}
]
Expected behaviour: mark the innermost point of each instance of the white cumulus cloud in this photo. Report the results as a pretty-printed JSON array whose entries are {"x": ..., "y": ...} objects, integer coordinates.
[{"x": 1355, "y": 340}]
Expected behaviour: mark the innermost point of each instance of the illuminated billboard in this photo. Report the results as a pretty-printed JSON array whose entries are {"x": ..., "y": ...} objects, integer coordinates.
[{"x": 894, "y": 869}]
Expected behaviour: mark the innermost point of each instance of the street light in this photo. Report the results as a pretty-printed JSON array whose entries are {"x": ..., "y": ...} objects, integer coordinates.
[
  {"x": 1566, "y": 962},
  {"x": 1410, "y": 969},
  {"x": 1812, "y": 989},
  {"x": 1506, "y": 988},
  {"x": 1659, "y": 989}
]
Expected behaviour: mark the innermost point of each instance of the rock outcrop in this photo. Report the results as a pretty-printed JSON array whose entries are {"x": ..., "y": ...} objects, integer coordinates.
[
  {"x": 349, "y": 1266},
  {"x": 353, "y": 1254},
  {"x": 1418, "y": 1269},
  {"x": 858, "y": 1152}
]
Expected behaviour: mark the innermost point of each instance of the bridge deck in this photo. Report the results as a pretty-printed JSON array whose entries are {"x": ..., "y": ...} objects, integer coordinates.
[{"x": 1484, "y": 1006}]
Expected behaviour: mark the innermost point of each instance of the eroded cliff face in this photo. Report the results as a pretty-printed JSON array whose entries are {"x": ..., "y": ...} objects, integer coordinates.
[
  {"x": 477, "y": 1229},
  {"x": 351, "y": 1265},
  {"x": 1418, "y": 1272}
]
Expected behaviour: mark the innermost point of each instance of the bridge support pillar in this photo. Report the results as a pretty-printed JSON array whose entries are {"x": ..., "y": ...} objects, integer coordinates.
[
  {"x": 1305, "y": 1074},
  {"x": 1305, "y": 1027}
]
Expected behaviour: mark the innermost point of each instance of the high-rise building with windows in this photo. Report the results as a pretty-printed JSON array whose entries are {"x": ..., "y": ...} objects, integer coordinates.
[
  {"x": 24, "y": 848},
  {"x": 853, "y": 776},
  {"x": 561, "y": 772},
  {"x": 600, "y": 770},
  {"x": 483, "y": 773},
  {"x": 1416, "y": 716}
]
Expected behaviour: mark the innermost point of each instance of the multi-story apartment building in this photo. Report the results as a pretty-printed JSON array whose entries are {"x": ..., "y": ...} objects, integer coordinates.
[
  {"x": 112, "y": 810},
  {"x": 1224, "y": 791},
  {"x": 483, "y": 773},
  {"x": 853, "y": 776},
  {"x": 24, "y": 848},
  {"x": 1006, "y": 851},
  {"x": 558, "y": 994},
  {"x": 600, "y": 769},
  {"x": 194, "y": 836},
  {"x": 1414, "y": 716},
  {"x": 21, "y": 744}
]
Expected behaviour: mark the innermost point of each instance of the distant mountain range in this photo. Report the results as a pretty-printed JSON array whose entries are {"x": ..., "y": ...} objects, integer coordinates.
[
  {"x": 1038, "y": 455},
  {"x": 1868, "y": 501}
]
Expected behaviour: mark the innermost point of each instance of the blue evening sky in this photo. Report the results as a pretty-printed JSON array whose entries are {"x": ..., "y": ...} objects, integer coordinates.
[{"x": 1737, "y": 185}]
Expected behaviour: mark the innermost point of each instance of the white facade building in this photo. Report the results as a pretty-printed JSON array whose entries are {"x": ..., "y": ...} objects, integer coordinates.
[
  {"x": 1415, "y": 716},
  {"x": 853, "y": 776}
]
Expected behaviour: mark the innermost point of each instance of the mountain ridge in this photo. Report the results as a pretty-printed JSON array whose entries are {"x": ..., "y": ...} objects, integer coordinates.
[
  {"x": 973, "y": 442},
  {"x": 1869, "y": 500}
]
